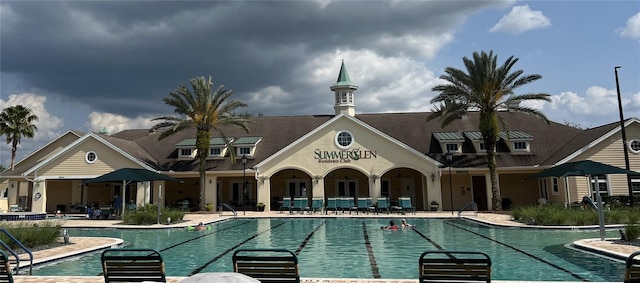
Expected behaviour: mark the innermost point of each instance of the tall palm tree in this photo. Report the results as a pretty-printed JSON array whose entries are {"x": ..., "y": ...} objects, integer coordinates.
[
  {"x": 205, "y": 109},
  {"x": 17, "y": 122},
  {"x": 486, "y": 88}
]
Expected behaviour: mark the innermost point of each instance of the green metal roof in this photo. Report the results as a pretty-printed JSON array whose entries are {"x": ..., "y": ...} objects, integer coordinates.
[
  {"x": 220, "y": 141},
  {"x": 343, "y": 77},
  {"x": 187, "y": 142},
  {"x": 516, "y": 135},
  {"x": 448, "y": 136},
  {"x": 248, "y": 140},
  {"x": 473, "y": 135},
  {"x": 212, "y": 141}
]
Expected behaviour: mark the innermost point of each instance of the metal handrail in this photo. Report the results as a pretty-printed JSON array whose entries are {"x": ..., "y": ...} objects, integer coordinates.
[
  {"x": 468, "y": 205},
  {"x": 223, "y": 205},
  {"x": 12, "y": 252}
]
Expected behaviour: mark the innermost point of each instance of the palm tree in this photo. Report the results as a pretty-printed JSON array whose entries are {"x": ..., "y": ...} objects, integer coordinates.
[
  {"x": 17, "y": 122},
  {"x": 486, "y": 88},
  {"x": 205, "y": 109}
]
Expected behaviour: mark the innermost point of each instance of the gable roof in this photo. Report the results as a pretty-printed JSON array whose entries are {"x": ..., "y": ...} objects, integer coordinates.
[
  {"x": 410, "y": 130},
  {"x": 588, "y": 139}
]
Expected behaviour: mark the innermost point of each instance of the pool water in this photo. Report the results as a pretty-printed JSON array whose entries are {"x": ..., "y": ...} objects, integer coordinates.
[{"x": 358, "y": 248}]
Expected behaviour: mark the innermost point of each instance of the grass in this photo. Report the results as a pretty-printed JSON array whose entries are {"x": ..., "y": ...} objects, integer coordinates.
[{"x": 31, "y": 234}]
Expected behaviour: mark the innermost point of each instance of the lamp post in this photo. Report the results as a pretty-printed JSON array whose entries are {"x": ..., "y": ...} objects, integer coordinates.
[
  {"x": 244, "y": 182},
  {"x": 624, "y": 136},
  {"x": 449, "y": 157}
]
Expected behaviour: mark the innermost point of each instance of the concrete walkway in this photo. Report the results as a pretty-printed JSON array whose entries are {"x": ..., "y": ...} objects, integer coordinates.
[{"x": 80, "y": 245}]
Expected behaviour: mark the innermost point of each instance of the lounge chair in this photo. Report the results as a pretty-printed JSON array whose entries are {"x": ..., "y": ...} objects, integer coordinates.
[
  {"x": 365, "y": 204},
  {"x": 301, "y": 204},
  {"x": 405, "y": 204},
  {"x": 454, "y": 266},
  {"x": 317, "y": 204},
  {"x": 383, "y": 205},
  {"x": 267, "y": 265},
  {"x": 346, "y": 203},
  {"x": 332, "y": 204},
  {"x": 132, "y": 265},
  {"x": 6, "y": 272},
  {"x": 286, "y": 204},
  {"x": 632, "y": 271}
]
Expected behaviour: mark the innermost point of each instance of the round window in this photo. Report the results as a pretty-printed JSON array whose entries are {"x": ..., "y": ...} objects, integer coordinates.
[
  {"x": 634, "y": 145},
  {"x": 344, "y": 139},
  {"x": 91, "y": 157}
]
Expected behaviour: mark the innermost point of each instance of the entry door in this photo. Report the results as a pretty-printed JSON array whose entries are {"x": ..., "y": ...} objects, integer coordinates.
[
  {"x": 297, "y": 188},
  {"x": 480, "y": 192},
  {"x": 408, "y": 188},
  {"x": 348, "y": 188}
]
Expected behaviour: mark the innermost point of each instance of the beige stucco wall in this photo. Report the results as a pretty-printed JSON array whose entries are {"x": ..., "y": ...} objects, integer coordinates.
[{"x": 389, "y": 155}]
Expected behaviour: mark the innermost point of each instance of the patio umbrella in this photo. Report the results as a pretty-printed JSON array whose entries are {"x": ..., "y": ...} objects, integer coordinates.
[
  {"x": 585, "y": 168},
  {"x": 127, "y": 175}
]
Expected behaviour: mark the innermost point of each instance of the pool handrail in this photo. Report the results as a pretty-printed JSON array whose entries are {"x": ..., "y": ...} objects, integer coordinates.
[
  {"x": 12, "y": 252},
  {"x": 6, "y": 273},
  {"x": 475, "y": 205},
  {"x": 223, "y": 205},
  {"x": 632, "y": 268}
]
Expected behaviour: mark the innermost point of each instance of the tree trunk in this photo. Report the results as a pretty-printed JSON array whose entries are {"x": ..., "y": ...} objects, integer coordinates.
[{"x": 202, "y": 146}]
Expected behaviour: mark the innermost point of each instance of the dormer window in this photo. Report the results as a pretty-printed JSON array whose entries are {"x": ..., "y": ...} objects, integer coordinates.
[
  {"x": 218, "y": 147},
  {"x": 216, "y": 151},
  {"x": 452, "y": 147},
  {"x": 450, "y": 141},
  {"x": 518, "y": 141},
  {"x": 246, "y": 146},
  {"x": 476, "y": 138},
  {"x": 186, "y": 152}
]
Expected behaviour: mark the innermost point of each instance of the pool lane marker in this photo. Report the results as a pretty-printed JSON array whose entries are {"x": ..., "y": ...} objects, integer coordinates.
[
  {"x": 372, "y": 259},
  {"x": 306, "y": 240},
  {"x": 197, "y": 270},
  {"x": 521, "y": 251},
  {"x": 427, "y": 238},
  {"x": 201, "y": 236},
  {"x": 192, "y": 239}
]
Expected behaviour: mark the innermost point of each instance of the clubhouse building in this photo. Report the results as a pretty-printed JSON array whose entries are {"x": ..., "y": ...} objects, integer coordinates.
[{"x": 321, "y": 156}]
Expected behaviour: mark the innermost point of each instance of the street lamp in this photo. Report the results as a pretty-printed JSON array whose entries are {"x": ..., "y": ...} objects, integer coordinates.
[
  {"x": 449, "y": 157},
  {"x": 244, "y": 182},
  {"x": 624, "y": 136}
]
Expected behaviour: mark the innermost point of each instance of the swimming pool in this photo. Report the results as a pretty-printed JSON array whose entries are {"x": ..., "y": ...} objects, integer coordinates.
[{"x": 358, "y": 248}]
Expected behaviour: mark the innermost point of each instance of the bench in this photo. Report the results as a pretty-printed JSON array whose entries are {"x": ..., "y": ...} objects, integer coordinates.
[
  {"x": 454, "y": 266},
  {"x": 267, "y": 265},
  {"x": 632, "y": 271},
  {"x": 132, "y": 265}
]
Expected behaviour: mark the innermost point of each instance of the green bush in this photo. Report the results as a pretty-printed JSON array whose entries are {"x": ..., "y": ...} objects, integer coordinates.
[
  {"x": 559, "y": 215},
  {"x": 632, "y": 232},
  {"x": 31, "y": 234},
  {"x": 148, "y": 214}
]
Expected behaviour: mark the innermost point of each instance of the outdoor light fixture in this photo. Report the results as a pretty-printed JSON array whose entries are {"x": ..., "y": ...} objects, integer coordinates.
[
  {"x": 317, "y": 178},
  {"x": 244, "y": 182},
  {"x": 433, "y": 177},
  {"x": 449, "y": 157},
  {"x": 624, "y": 136}
]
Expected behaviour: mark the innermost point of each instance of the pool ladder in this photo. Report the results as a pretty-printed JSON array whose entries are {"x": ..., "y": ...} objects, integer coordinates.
[
  {"x": 223, "y": 205},
  {"x": 475, "y": 207},
  {"x": 15, "y": 254}
]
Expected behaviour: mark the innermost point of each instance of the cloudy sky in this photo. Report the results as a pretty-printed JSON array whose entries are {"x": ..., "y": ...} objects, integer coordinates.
[{"x": 89, "y": 65}]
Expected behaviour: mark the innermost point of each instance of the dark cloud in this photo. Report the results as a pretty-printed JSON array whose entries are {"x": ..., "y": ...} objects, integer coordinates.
[{"x": 123, "y": 57}]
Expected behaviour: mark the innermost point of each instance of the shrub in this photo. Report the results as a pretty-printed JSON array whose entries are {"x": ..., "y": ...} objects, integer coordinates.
[
  {"x": 31, "y": 234},
  {"x": 148, "y": 214},
  {"x": 559, "y": 215},
  {"x": 632, "y": 232}
]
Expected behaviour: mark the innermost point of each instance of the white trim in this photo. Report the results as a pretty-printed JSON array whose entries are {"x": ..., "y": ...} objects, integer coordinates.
[
  {"x": 596, "y": 142},
  {"x": 77, "y": 143},
  {"x": 343, "y": 116}
]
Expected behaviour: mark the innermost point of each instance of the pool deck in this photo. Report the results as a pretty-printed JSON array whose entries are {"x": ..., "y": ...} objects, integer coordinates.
[{"x": 80, "y": 245}]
